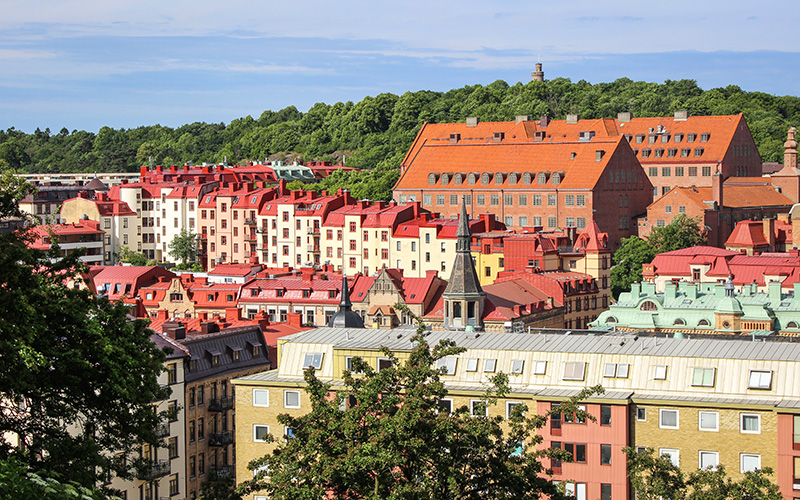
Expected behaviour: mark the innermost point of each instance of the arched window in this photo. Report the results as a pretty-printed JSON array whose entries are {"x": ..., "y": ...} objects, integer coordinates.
[
  {"x": 431, "y": 179},
  {"x": 679, "y": 321},
  {"x": 445, "y": 179},
  {"x": 542, "y": 179},
  {"x": 472, "y": 179},
  {"x": 458, "y": 179},
  {"x": 498, "y": 178},
  {"x": 556, "y": 179},
  {"x": 648, "y": 305},
  {"x": 791, "y": 324},
  {"x": 703, "y": 322},
  {"x": 527, "y": 178},
  {"x": 611, "y": 319},
  {"x": 512, "y": 179},
  {"x": 485, "y": 178}
]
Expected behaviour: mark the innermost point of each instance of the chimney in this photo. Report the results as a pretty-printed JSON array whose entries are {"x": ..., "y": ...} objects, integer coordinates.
[
  {"x": 143, "y": 170},
  {"x": 521, "y": 118},
  {"x": 790, "y": 149},
  {"x": 207, "y": 327},
  {"x": 681, "y": 116},
  {"x": 716, "y": 189},
  {"x": 473, "y": 121},
  {"x": 454, "y": 138},
  {"x": 624, "y": 117},
  {"x": 294, "y": 319},
  {"x": 544, "y": 121},
  {"x": 232, "y": 314},
  {"x": 498, "y": 136},
  {"x": 163, "y": 314},
  {"x": 282, "y": 187},
  {"x": 572, "y": 119},
  {"x": 768, "y": 227}
]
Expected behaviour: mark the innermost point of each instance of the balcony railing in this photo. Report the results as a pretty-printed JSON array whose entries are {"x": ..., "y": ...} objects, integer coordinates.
[
  {"x": 250, "y": 222},
  {"x": 220, "y": 438},
  {"x": 313, "y": 230},
  {"x": 153, "y": 470},
  {"x": 221, "y": 472},
  {"x": 162, "y": 430},
  {"x": 220, "y": 404},
  {"x": 313, "y": 248},
  {"x": 251, "y": 237}
]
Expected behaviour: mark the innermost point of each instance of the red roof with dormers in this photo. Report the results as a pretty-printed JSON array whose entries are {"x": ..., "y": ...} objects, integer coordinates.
[
  {"x": 293, "y": 289},
  {"x": 592, "y": 240},
  {"x": 213, "y": 295},
  {"x": 238, "y": 270},
  {"x": 119, "y": 281},
  {"x": 556, "y": 284},
  {"x": 42, "y": 233},
  {"x": 413, "y": 290}
]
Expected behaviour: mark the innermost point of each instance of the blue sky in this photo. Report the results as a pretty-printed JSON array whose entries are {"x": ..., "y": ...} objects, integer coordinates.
[{"x": 85, "y": 64}]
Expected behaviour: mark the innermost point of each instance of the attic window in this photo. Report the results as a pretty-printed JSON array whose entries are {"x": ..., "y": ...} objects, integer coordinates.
[
  {"x": 665, "y": 138},
  {"x": 691, "y": 137},
  {"x": 279, "y": 292},
  {"x": 235, "y": 200},
  {"x": 556, "y": 179},
  {"x": 313, "y": 359},
  {"x": 541, "y": 178},
  {"x": 573, "y": 155},
  {"x": 445, "y": 179},
  {"x": 332, "y": 294},
  {"x": 705, "y": 137},
  {"x": 659, "y": 152},
  {"x": 413, "y": 295},
  {"x": 512, "y": 179},
  {"x": 678, "y": 137},
  {"x": 253, "y": 199},
  {"x": 458, "y": 179},
  {"x": 639, "y": 138},
  {"x": 485, "y": 178},
  {"x": 498, "y": 178},
  {"x": 671, "y": 152},
  {"x": 527, "y": 178},
  {"x": 431, "y": 179},
  {"x": 472, "y": 179},
  {"x": 698, "y": 151},
  {"x": 208, "y": 199},
  {"x": 646, "y": 153},
  {"x": 648, "y": 305}
]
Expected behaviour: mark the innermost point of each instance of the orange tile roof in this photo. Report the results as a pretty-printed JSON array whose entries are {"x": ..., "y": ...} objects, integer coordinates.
[
  {"x": 733, "y": 196},
  {"x": 582, "y": 172}
]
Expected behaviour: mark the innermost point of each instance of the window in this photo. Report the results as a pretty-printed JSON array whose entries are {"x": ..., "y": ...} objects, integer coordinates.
[
  {"x": 673, "y": 455},
  {"x": 709, "y": 459},
  {"x": 522, "y": 200},
  {"x": 760, "y": 379},
  {"x": 537, "y": 200},
  {"x": 750, "y": 423},
  {"x": 552, "y": 200},
  {"x": 449, "y": 364},
  {"x": 540, "y": 367},
  {"x": 578, "y": 452},
  {"x": 605, "y": 491},
  {"x": 478, "y": 408},
  {"x": 668, "y": 419},
  {"x": 708, "y": 421},
  {"x": 172, "y": 410},
  {"x": 172, "y": 373},
  {"x": 552, "y": 222},
  {"x": 313, "y": 359},
  {"x": 749, "y": 462},
  {"x": 510, "y": 405},
  {"x": 384, "y": 363},
  {"x": 575, "y": 490},
  {"x": 605, "y": 454},
  {"x": 173, "y": 485},
  {"x": 494, "y": 199},
  {"x": 605, "y": 414},
  {"x": 569, "y": 200},
  {"x": 472, "y": 365},
  {"x": 489, "y": 365},
  {"x": 641, "y": 414},
  {"x": 574, "y": 370},
  {"x": 291, "y": 399},
  {"x": 614, "y": 370},
  {"x": 446, "y": 406},
  {"x": 703, "y": 377},
  {"x": 260, "y": 397},
  {"x": 661, "y": 373},
  {"x": 440, "y": 199},
  {"x": 260, "y": 433},
  {"x": 517, "y": 365}
]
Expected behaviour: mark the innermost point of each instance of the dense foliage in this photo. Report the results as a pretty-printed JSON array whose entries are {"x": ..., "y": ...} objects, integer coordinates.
[
  {"x": 682, "y": 232},
  {"x": 384, "y": 435},
  {"x": 657, "y": 478},
  {"x": 375, "y": 132},
  {"x": 77, "y": 376}
]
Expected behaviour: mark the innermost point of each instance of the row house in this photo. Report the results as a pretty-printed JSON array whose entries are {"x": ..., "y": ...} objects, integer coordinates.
[
  {"x": 188, "y": 296},
  {"x": 702, "y": 402},
  {"x": 115, "y": 218},
  {"x": 709, "y": 265}
]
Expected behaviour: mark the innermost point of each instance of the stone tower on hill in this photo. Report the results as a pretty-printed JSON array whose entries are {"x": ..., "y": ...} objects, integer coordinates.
[{"x": 538, "y": 75}]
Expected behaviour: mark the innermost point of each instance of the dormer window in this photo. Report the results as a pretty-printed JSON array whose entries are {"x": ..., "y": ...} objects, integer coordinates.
[
  {"x": 313, "y": 359},
  {"x": 485, "y": 178},
  {"x": 698, "y": 152},
  {"x": 498, "y": 178},
  {"x": 556, "y": 179},
  {"x": 542, "y": 178},
  {"x": 445, "y": 179},
  {"x": 431, "y": 179},
  {"x": 527, "y": 178},
  {"x": 705, "y": 137}
]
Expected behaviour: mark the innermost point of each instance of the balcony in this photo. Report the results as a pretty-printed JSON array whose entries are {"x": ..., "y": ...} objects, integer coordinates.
[
  {"x": 313, "y": 230},
  {"x": 313, "y": 248},
  {"x": 250, "y": 222},
  {"x": 162, "y": 430},
  {"x": 153, "y": 470},
  {"x": 251, "y": 237},
  {"x": 221, "y": 472},
  {"x": 220, "y": 404},
  {"x": 220, "y": 438}
]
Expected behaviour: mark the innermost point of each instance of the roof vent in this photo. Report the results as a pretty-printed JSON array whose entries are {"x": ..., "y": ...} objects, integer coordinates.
[
  {"x": 681, "y": 116},
  {"x": 473, "y": 121},
  {"x": 599, "y": 154},
  {"x": 572, "y": 119}
]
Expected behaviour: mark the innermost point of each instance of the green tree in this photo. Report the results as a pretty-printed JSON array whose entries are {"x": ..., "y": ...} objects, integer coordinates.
[
  {"x": 14, "y": 155},
  {"x": 16, "y": 481},
  {"x": 655, "y": 477},
  {"x": 132, "y": 257},
  {"x": 682, "y": 232},
  {"x": 393, "y": 441},
  {"x": 78, "y": 377},
  {"x": 184, "y": 246},
  {"x": 628, "y": 259}
]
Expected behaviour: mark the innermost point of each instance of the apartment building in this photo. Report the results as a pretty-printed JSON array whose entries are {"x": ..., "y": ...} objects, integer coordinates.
[
  {"x": 118, "y": 222},
  {"x": 83, "y": 235},
  {"x": 702, "y": 402}
]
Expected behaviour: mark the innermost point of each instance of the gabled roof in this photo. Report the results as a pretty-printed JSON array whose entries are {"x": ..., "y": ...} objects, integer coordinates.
[
  {"x": 747, "y": 233},
  {"x": 734, "y": 195},
  {"x": 127, "y": 280}
]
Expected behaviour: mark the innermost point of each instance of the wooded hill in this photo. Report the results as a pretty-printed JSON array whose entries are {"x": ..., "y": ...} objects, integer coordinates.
[{"x": 374, "y": 133}]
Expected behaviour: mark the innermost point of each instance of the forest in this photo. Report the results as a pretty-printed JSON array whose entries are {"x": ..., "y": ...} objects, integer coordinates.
[{"x": 374, "y": 134}]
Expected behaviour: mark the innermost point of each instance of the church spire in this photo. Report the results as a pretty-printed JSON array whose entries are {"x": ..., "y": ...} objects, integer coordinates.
[
  {"x": 463, "y": 297},
  {"x": 346, "y": 318}
]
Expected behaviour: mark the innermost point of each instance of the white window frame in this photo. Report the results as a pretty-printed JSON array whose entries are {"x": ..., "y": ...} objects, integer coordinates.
[
  {"x": 472, "y": 364},
  {"x": 574, "y": 365},
  {"x": 704, "y": 370},
  {"x": 661, "y": 412},
  {"x": 286, "y": 403},
  {"x": 741, "y": 461},
  {"x": 517, "y": 365},
  {"x": 314, "y": 361},
  {"x": 348, "y": 364},
  {"x": 439, "y": 408},
  {"x": 509, "y": 407},
  {"x": 449, "y": 362},
  {"x": 489, "y": 365},
  {"x": 610, "y": 370},
  {"x": 378, "y": 363},
  {"x": 259, "y": 470},
  {"x": 700, "y": 421},
  {"x": 741, "y": 423},
  {"x": 540, "y": 368},
  {"x": 759, "y": 376},
  {"x": 255, "y": 432},
  {"x": 472, "y": 407},
  {"x": 265, "y": 391},
  {"x": 286, "y": 430},
  {"x": 623, "y": 369},
  {"x": 700, "y": 454},
  {"x": 660, "y": 373},
  {"x": 671, "y": 453}
]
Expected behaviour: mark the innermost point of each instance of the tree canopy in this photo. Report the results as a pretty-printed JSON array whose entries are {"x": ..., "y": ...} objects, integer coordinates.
[
  {"x": 655, "y": 477},
  {"x": 373, "y": 134},
  {"x": 78, "y": 376},
  {"x": 682, "y": 232},
  {"x": 184, "y": 246},
  {"x": 386, "y": 435}
]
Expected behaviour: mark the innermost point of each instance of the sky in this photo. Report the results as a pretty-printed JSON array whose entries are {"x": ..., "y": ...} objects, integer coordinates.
[{"x": 87, "y": 64}]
